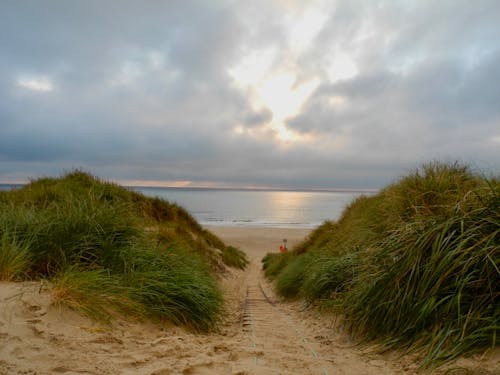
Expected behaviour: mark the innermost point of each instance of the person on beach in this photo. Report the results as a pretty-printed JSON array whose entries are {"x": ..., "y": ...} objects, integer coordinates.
[{"x": 283, "y": 248}]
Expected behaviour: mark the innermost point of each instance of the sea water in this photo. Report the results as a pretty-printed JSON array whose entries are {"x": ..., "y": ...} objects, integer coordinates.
[
  {"x": 253, "y": 208},
  {"x": 285, "y": 209}
]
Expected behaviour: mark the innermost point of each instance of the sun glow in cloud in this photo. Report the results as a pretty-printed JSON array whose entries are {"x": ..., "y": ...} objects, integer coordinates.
[
  {"x": 284, "y": 98},
  {"x": 338, "y": 101},
  {"x": 40, "y": 83},
  {"x": 273, "y": 85},
  {"x": 277, "y": 91}
]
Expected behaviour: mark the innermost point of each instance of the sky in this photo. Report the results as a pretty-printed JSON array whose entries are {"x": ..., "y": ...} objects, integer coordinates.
[{"x": 261, "y": 93}]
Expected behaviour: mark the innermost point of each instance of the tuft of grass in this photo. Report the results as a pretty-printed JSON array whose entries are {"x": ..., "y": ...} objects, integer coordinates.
[
  {"x": 180, "y": 297},
  {"x": 415, "y": 266},
  {"x": 330, "y": 277},
  {"x": 233, "y": 257},
  {"x": 273, "y": 263},
  {"x": 291, "y": 278},
  {"x": 212, "y": 240},
  {"x": 14, "y": 257},
  {"x": 172, "y": 284},
  {"x": 269, "y": 259},
  {"x": 94, "y": 293}
]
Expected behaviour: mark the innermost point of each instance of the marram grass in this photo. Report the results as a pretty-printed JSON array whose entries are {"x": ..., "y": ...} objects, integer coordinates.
[
  {"x": 94, "y": 292},
  {"x": 233, "y": 257},
  {"x": 416, "y": 266},
  {"x": 109, "y": 251},
  {"x": 14, "y": 257}
]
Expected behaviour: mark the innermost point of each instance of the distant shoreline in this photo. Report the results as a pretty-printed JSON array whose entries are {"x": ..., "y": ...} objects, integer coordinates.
[
  {"x": 303, "y": 190},
  {"x": 8, "y": 186}
]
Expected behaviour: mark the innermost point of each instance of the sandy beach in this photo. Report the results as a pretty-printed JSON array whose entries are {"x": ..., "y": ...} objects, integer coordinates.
[{"x": 259, "y": 334}]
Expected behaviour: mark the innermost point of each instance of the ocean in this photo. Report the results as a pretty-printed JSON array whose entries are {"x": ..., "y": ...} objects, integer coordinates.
[
  {"x": 257, "y": 208},
  {"x": 253, "y": 208}
]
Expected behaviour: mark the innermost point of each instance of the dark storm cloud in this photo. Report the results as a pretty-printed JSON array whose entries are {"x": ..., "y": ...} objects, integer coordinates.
[{"x": 141, "y": 90}]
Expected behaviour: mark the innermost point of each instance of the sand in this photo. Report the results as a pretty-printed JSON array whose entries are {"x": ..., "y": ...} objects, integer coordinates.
[{"x": 260, "y": 334}]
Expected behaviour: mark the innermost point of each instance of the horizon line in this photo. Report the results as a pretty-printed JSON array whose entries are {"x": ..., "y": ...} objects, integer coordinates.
[
  {"x": 246, "y": 188},
  {"x": 213, "y": 186},
  {"x": 185, "y": 184}
]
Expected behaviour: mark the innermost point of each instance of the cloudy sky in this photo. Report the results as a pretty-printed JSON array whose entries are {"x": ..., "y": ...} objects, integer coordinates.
[{"x": 302, "y": 94}]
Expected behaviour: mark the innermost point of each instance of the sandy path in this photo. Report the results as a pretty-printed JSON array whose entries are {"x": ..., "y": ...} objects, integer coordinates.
[
  {"x": 279, "y": 345},
  {"x": 259, "y": 335}
]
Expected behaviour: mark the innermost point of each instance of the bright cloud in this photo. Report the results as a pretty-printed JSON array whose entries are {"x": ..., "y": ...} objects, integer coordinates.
[
  {"x": 253, "y": 67},
  {"x": 304, "y": 27},
  {"x": 342, "y": 67},
  {"x": 39, "y": 83}
]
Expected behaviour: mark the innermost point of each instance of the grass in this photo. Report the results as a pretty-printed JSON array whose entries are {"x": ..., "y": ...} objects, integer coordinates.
[
  {"x": 172, "y": 283},
  {"x": 273, "y": 263},
  {"x": 233, "y": 257},
  {"x": 416, "y": 266},
  {"x": 329, "y": 277},
  {"x": 14, "y": 257},
  {"x": 95, "y": 293},
  {"x": 110, "y": 251}
]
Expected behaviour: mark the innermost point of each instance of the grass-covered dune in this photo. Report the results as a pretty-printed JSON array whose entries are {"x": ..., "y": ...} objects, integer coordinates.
[
  {"x": 416, "y": 266},
  {"x": 109, "y": 251}
]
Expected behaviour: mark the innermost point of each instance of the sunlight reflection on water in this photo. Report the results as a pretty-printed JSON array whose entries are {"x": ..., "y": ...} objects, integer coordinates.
[{"x": 290, "y": 209}]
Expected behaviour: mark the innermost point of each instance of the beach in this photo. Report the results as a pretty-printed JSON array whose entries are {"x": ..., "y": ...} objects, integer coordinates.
[{"x": 259, "y": 333}]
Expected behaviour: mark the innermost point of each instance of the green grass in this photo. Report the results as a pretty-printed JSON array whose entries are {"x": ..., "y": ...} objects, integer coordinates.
[
  {"x": 291, "y": 277},
  {"x": 109, "y": 251},
  {"x": 171, "y": 283},
  {"x": 14, "y": 257},
  {"x": 329, "y": 277},
  {"x": 233, "y": 257},
  {"x": 274, "y": 263},
  {"x": 416, "y": 266},
  {"x": 96, "y": 293}
]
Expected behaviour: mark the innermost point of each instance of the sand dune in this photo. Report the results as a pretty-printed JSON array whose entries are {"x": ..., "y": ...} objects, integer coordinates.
[{"x": 260, "y": 334}]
